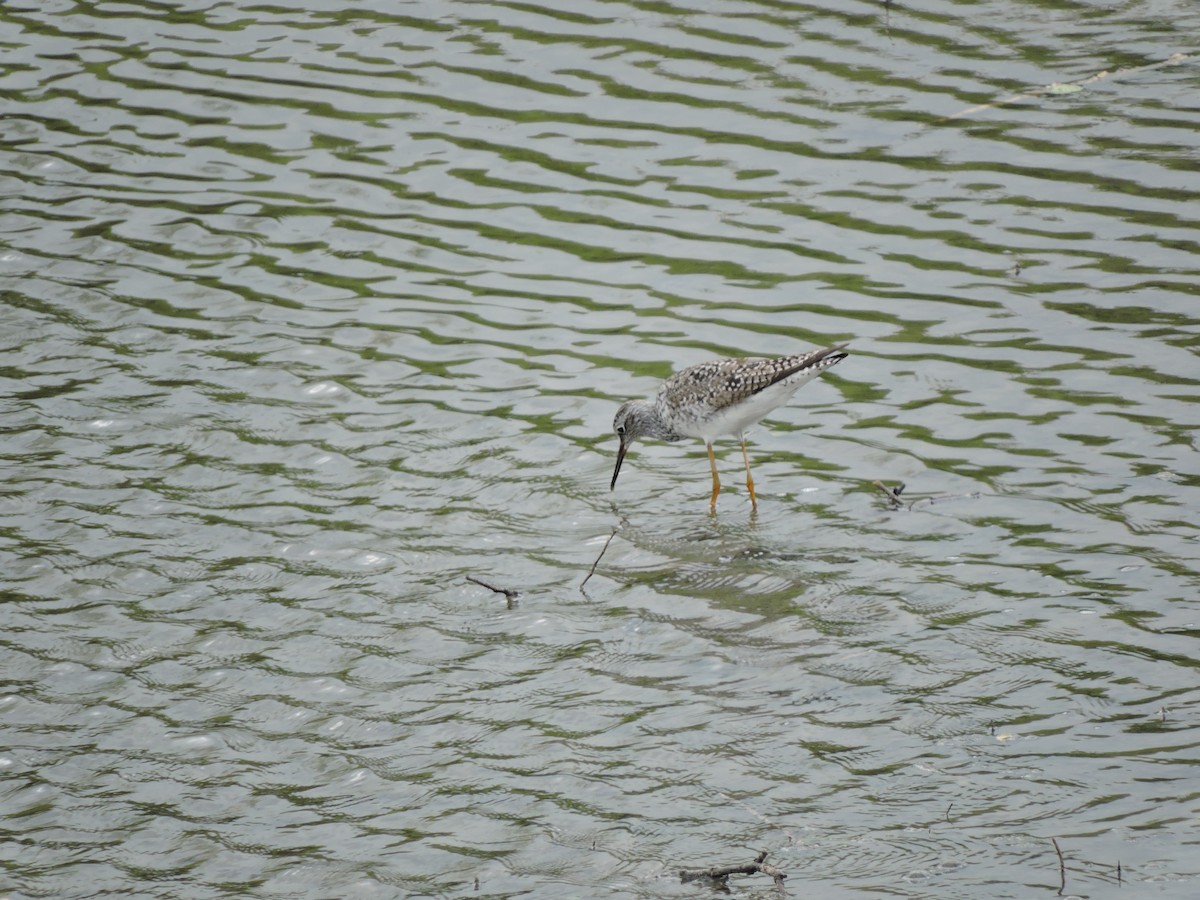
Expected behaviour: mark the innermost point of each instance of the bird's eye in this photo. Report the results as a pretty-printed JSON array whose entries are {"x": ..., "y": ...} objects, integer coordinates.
[{"x": 620, "y": 430}]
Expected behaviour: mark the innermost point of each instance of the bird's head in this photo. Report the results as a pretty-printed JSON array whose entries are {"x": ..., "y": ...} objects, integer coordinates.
[{"x": 634, "y": 419}]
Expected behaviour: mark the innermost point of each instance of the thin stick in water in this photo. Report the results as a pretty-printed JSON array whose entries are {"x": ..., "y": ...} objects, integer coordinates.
[
  {"x": 722, "y": 873},
  {"x": 1062, "y": 867},
  {"x": 1174, "y": 59},
  {"x": 592, "y": 571},
  {"x": 509, "y": 594}
]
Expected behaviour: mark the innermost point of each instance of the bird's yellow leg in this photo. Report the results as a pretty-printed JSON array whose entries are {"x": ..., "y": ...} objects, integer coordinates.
[
  {"x": 712, "y": 461},
  {"x": 749, "y": 477}
]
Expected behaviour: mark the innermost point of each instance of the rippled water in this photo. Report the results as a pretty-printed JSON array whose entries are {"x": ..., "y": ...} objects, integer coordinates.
[{"x": 312, "y": 312}]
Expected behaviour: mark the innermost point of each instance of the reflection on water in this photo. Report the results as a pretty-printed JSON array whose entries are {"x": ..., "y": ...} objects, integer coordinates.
[{"x": 309, "y": 314}]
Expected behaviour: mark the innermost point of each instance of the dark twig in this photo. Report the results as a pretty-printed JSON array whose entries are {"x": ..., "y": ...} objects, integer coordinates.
[
  {"x": 592, "y": 571},
  {"x": 509, "y": 594},
  {"x": 1062, "y": 867},
  {"x": 722, "y": 873}
]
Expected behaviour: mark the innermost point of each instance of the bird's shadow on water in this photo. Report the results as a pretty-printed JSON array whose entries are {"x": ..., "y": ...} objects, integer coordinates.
[
  {"x": 679, "y": 533},
  {"x": 684, "y": 562}
]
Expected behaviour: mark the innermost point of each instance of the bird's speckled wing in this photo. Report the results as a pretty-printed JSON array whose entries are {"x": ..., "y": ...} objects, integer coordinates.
[{"x": 722, "y": 382}]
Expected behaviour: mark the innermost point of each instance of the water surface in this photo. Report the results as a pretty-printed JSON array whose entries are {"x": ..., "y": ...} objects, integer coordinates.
[{"x": 310, "y": 313}]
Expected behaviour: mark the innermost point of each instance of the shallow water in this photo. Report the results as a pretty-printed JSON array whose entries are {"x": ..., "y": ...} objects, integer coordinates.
[{"x": 312, "y": 313}]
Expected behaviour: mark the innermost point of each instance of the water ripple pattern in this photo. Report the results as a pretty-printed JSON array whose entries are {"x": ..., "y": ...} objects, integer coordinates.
[{"x": 313, "y": 311}]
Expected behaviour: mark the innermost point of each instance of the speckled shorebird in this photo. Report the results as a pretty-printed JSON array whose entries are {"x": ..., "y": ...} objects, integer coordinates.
[{"x": 725, "y": 396}]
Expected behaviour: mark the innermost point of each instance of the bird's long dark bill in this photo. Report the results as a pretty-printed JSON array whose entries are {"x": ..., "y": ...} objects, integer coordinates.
[{"x": 620, "y": 459}]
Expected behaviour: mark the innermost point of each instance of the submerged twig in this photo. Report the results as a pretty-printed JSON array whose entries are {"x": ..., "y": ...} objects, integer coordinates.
[
  {"x": 893, "y": 495},
  {"x": 509, "y": 594},
  {"x": 734, "y": 801},
  {"x": 938, "y": 498},
  {"x": 592, "y": 571},
  {"x": 1071, "y": 87}
]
